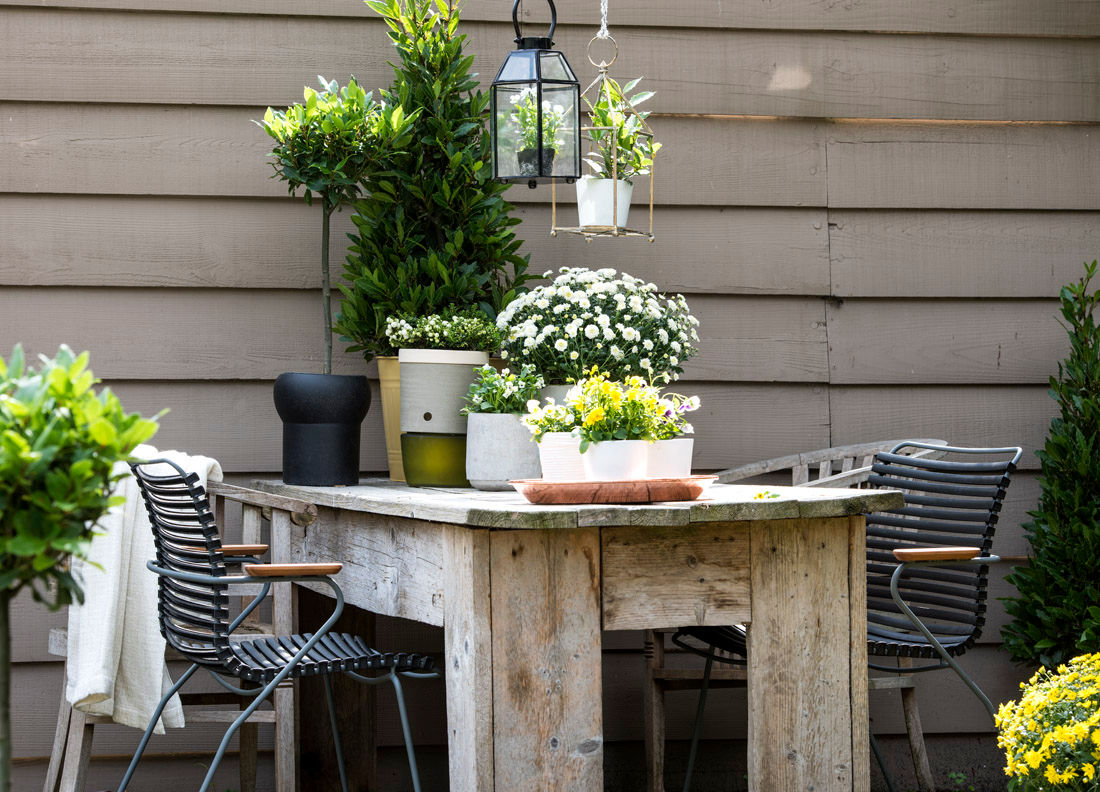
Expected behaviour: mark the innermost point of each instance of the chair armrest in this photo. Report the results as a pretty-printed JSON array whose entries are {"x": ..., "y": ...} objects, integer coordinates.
[
  {"x": 937, "y": 554},
  {"x": 236, "y": 549},
  {"x": 292, "y": 570}
]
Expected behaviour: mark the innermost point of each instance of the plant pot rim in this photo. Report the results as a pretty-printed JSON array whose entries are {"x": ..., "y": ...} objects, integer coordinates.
[{"x": 460, "y": 356}]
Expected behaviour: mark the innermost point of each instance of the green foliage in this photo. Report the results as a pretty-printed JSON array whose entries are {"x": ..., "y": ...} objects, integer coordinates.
[
  {"x": 504, "y": 391},
  {"x": 628, "y": 141},
  {"x": 433, "y": 229},
  {"x": 1057, "y": 612},
  {"x": 466, "y": 330},
  {"x": 58, "y": 442}
]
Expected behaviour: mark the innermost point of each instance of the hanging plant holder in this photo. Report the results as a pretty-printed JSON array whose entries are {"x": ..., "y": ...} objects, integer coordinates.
[{"x": 610, "y": 218}]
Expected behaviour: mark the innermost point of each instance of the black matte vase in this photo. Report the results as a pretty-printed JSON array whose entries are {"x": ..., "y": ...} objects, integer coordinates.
[{"x": 322, "y": 417}]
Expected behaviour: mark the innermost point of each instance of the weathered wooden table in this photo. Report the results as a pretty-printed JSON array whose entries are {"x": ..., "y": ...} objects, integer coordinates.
[{"x": 523, "y": 592}]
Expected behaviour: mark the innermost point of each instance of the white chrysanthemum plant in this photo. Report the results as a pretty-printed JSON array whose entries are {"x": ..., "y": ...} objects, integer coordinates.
[{"x": 585, "y": 318}]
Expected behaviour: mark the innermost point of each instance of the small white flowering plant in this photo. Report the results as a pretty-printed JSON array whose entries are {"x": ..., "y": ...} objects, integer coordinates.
[
  {"x": 672, "y": 421},
  {"x": 1051, "y": 736},
  {"x": 502, "y": 391},
  {"x": 463, "y": 330},
  {"x": 585, "y": 318},
  {"x": 543, "y": 419},
  {"x": 526, "y": 116}
]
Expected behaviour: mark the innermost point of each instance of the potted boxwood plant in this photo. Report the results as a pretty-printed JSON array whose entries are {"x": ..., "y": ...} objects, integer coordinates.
[
  {"x": 433, "y": 230},
  {"x": 59, "y": 442},
  {"x": 498, "y": 446},
  {"x": 328, "y": 145},
  {"x": 623, "y": 148},
  {"x": 437, "y": 354}
]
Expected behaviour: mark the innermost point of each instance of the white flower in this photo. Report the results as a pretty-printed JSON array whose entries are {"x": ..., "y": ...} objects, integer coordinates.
[
  {"x": 591, "y": 331},
  {"x": 574, "y": 355},
  {"x": 635, "y": 303},
  {"x": 542, "y": 303},
  {"x": 504, "y": 354},
  {"x": 645, "y": 364},
  {"x": 673, "y": 360},
  {"x": 647, "y": 345},
  {"x": 533, "y": 406},
  {"x": 561, "y": 345},
  {"x": 662, "y": 334},
  {"x": 529, "y": 342},
  {"x": 608, "y": 334},
  {"x": 603, "y": 320},
  {"x": 616, "y": 353},
  {"x": 631, "y": 334},
  {"x": 571, "y": 330},
  {"x": 676, "y": 347}
]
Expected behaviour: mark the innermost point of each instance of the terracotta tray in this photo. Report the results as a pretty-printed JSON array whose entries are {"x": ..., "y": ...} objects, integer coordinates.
[{"x": 633, "y": 491}]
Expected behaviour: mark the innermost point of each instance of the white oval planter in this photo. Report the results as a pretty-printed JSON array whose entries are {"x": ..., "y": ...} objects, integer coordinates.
[
  {"x": 616, "y": 460},
  {"x": 434, "y": 383},
  {"x": 499, "y": 448},
  {"x": 560, "y": 457},
  {"x": 670, "y": 458},
  {"x": 594, "y": 201}
]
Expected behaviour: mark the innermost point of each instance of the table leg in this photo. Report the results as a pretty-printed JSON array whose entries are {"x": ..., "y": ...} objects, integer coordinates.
[
  {"x": 547, "y": 676},
  {"x": 468, "y": 658},
  {"x": 800, "y": 656}
]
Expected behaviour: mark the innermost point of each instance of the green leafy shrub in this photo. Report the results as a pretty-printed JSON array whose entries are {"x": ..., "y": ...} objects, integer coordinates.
[
  {"x": 328, "y": 145},
  {"x": 504, "y": 391},
  {"x": 627, "y": 148},
  {"x": 59, "y": 441},
  {"x": 433, "y": 229},
  {"x": 1057, "y": 612}
]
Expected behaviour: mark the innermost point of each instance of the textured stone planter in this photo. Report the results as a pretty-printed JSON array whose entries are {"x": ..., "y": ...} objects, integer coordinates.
[
  {"x": 434, "y": 383},
  {"x": 499, "y": 448},
  {"x": 670, "y": 458},
  {"x": 560, "y": 457},
  {"x": 594, "y": 202},
  {"x": 616, "y": 460}
]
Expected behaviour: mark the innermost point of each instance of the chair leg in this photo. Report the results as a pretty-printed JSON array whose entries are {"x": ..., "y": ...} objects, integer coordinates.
[
  {"x": 57, "y": 754},
  {"x": 78, "y": 751},
  {"x": 698, "y": 722},
  {"x": 653, "y": 705},
  {"x": 335, "y": 734},
  {"x": 405, "y": 730},
  {"x": 249, "y": 743},
  {"x": 921, "y": 766},
  {"x": 881, "y": 762},
  {"x": 149, "y": 729}
]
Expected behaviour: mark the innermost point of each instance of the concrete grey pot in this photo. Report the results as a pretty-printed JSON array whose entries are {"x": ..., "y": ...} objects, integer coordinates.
[
  {"x": 434, "y": 383},
  {"x": 499, "y": 448}
]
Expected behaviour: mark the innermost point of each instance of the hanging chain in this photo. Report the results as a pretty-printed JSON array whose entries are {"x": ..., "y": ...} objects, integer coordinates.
[{"x": 603, "y": 21}]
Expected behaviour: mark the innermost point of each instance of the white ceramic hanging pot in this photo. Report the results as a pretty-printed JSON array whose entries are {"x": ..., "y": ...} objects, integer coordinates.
[
  {"x": 594, "y": 201},
  {"x": 670, "y": 458},
  {"x": 616, "y": 460}
]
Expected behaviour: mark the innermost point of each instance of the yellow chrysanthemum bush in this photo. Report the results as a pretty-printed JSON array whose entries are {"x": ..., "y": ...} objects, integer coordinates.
[{"x": 1051, "y": 736}]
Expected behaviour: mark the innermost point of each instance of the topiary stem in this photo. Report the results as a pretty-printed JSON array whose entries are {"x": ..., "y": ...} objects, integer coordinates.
[
  {"x": 326, "y": 296},
  {"x": 5, "y": 691}
]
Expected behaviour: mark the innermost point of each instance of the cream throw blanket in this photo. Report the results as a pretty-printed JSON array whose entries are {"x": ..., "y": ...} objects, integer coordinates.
[{"x": 116, "y": 653}]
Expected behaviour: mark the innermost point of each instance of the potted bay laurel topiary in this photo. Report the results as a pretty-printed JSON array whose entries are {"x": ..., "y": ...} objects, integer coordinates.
[
  {"x": 328, "y": 145},
  {"x": 59, "y": 443},
  {"x": 437, "y": 354},
  {"x": 622, "y": 149},
  {"x": 498, "y": 446},
  {"x": 433, "y": 230}
]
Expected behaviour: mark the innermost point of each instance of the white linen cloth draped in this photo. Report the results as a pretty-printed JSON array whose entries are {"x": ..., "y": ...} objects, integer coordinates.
[{"x": 115, "y": 664}]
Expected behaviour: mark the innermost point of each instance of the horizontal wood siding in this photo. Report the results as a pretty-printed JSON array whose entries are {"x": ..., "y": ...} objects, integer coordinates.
[{"x": 871, "y": 207}]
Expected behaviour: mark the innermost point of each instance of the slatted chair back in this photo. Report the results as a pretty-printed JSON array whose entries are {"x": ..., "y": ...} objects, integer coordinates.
[
  {"x": 953, "y": 501},
  {"x": 194, "y": 617}
]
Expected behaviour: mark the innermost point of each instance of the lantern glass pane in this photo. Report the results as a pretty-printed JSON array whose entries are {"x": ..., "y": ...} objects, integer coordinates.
[
  {"x": 554, "y": 67},
  {"x": 519, "y": 67},
  {"x": 516, "y": 129},
  {"x": 560, "y": 129}
]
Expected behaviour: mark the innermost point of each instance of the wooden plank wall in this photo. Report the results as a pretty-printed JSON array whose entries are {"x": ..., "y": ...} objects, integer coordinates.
[{"x": 871, "y": 207}]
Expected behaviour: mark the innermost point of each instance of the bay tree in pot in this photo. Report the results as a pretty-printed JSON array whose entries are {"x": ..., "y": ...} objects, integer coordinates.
[
  {"x": 328, "y": 145},
  {"x": 59, "y": 443}
]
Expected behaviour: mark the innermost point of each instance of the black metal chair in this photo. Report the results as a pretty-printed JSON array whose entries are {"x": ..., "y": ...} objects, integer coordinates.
[
  {"x": 932, "y": 604},
  {"x": 194, "y": 616}
]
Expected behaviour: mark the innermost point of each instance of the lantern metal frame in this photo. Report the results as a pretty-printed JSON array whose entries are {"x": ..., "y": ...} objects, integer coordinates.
[
  {"x": 591, "y": 232},
  {"x": 537, "y": 45}
]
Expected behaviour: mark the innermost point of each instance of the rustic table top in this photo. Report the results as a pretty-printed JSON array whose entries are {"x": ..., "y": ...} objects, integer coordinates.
[{"x": 720, "y": 503}]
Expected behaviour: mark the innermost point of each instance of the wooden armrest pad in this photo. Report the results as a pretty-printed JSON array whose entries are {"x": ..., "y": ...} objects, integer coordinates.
[
  {"x": 244, "y": 549},
  {"x": 937, "y": 554},
  {"x": 291, "y": 570}
]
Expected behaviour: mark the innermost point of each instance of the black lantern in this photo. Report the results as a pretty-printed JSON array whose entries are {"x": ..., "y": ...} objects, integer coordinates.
[{"x": 535, "y": 112}]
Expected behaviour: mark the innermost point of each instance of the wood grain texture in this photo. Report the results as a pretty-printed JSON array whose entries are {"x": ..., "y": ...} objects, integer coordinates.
[
  {"x": 88, "y": 55},
  {"x": 937, "y": 253},
  {"x": 857, "y": 648},
  {"x": 987, "y": 416},
  {"x": 468, "y": 658},
  {"x": 963, "y": 166},
  {"x": 391, "y": 566},
  {"x": 669, "y": 577},
  {"x": 1059, "y": 18},
  {"x": 801, "y": 707},
  {"x": 216, "y": 151},
  {"x": 944, "y": 342},
  {"x": 73, "y": 240},
  {"x": 547, "y": 712}
]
